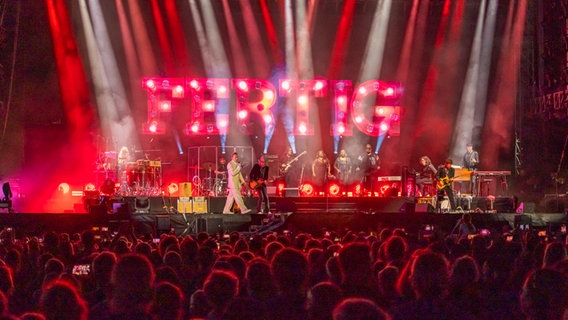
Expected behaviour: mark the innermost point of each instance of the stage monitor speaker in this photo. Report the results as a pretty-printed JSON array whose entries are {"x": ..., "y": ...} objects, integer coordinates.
[
  {"x": 423, "y": 208},
  {"x": 210, "y": 225},
  {"x": 271, "y": 190},
  {"x": 410, "y": 207},
  {"x": 185, "y": 205},
  {"x": 185, "y": 189},
  {"x": 199, "y": 205},
  {"x": 291, "y": 192}
]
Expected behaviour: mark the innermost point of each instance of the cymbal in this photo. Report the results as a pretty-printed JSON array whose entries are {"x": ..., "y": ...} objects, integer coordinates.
[
  {"x": 195, "y": 167},
  {"x": 208, "y": 165}
]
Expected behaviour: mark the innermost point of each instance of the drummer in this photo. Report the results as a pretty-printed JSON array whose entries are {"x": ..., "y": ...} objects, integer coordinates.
[
  {"x": 125, "y": 168},
  {"x": 123, "y": 158},
  {"x": 221, "y": 172}
]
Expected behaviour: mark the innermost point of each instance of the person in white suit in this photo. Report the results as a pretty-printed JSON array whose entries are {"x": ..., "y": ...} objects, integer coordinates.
[{"x": 234, "y": 183}]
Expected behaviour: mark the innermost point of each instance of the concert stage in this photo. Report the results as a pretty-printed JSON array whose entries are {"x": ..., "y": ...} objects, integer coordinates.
[{"x": 156, "y": 215}]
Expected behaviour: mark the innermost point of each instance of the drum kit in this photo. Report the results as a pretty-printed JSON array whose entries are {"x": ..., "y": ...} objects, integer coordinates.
[
  {"x": 212, "y": 184},
  {"x": 142, "y": 177},
  {"x": 207, "y": 181}
]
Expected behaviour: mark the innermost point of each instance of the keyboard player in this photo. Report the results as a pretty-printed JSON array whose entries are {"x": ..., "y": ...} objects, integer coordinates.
[{"x": 425, "y": 178}]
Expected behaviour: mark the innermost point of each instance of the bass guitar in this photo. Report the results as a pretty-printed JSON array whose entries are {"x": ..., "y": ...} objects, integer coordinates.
[
  {"x": 286, "y": 166},
  {"x": 254, "y": 184}
]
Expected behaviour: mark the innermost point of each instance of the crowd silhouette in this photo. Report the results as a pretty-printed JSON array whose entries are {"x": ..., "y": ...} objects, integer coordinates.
[{"x": 342, "y": 274}]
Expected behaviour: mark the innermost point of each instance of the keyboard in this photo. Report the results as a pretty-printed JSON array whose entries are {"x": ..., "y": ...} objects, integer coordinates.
[
  {"x": 389, "y": 178},
  {"x": 492, "y": 173}
]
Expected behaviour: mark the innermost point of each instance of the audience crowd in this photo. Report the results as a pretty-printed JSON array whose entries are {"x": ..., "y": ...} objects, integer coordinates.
[{"x": 334, "y": 274}]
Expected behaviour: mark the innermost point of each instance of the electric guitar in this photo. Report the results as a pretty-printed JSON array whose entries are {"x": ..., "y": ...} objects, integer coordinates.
[
  {"x": 443, "y": 182},
  {"x": 286, "y": 166},
  {"x": 253, "y": 184}
]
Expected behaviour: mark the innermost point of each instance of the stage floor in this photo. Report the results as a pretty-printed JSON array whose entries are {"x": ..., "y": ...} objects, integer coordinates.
[{"x": 157, "y": 215}]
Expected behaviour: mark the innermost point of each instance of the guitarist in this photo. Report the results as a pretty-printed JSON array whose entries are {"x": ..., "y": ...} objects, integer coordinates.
[
  {"x": 258, "y": 176},
  {"x": 289, "y": 168},
  {"x": 444, "y": 177}
]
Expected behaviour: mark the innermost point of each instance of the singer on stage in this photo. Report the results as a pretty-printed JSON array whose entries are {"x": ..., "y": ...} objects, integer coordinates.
[{"x": 235, "y": 183}]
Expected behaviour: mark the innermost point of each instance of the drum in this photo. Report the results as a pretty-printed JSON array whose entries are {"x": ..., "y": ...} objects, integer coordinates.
[
  {"x": 222, "y": 176},
  {"x": 147, "y": 176},
  {"x": 141, "y": 163},
  {"x": 208, "y": 184},
  {"x": 132, "y": 173},
  {"x": 221, "y": 187}
]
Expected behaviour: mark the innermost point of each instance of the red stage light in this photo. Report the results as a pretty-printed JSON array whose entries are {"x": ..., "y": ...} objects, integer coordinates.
[
  {"x": 150, "y": 84},
  {"x": 243, "y": 85},
  {"x": 166, "y": 106},
  {"x": 280, "y": 185},
  {"x": 384, "y": 127},
  {"x": 153, "y": 127},
  {"x": 268, "y": 94},
  {"x": 209, "y": 106},
  {"x": 334, "y": 189},
  {"x": 286, "y": 85},
  {"x": 195, "y": 127},
  {"x": 267, "y": 118},
  {"x": 302, "y": 128},
  {"x": 177, "y": 92},
  {"x": 194, "y": 84},
  {"x": 243, "y": 114},
  {"x": 307, "y": 190},
  {"x": 173, "y": 188},
  {"x": 63, "y": 188},
  {"x": 358, "y": 189}
]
